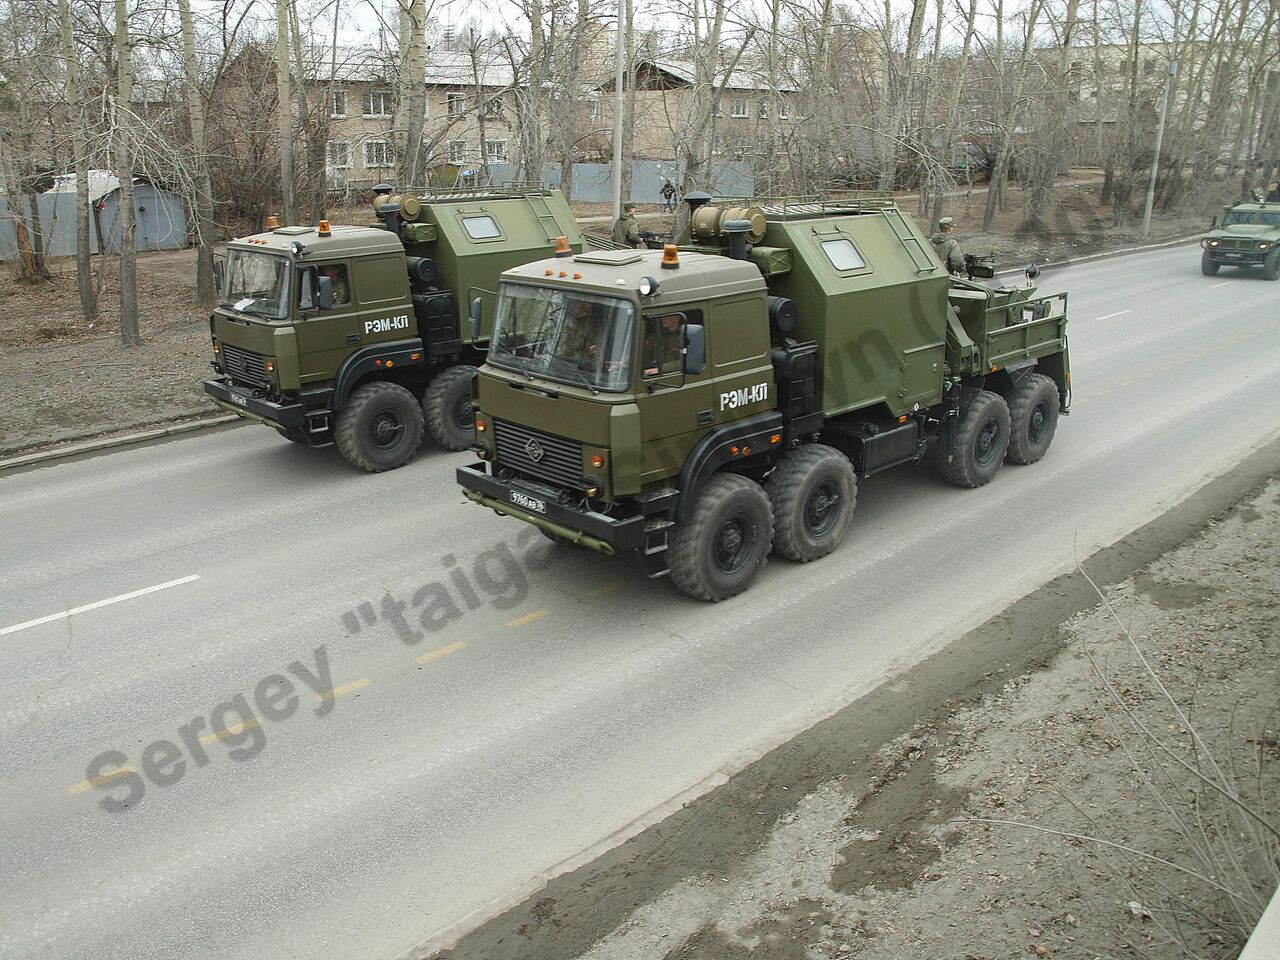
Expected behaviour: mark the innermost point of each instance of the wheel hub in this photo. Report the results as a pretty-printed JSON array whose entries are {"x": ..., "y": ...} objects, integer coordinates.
[
  {"x": 823, "y": 509},
  {"x": 988, "y": 439},
  {"x": 733, "y": 544},
  {"x": 387, "y": 429}
]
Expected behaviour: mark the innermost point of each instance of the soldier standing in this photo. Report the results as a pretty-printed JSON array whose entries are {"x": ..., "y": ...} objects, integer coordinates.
[
  {"x": 627, "y": 229},
  {"x": 947, "y": 247}
]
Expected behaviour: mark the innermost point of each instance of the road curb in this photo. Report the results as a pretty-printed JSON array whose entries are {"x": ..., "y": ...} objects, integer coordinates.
[
  {"x": 1106, "y": 255},
  {"x": 108, "y": 443}
]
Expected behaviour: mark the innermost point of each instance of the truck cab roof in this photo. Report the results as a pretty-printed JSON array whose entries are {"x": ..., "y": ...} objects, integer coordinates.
[
  {"x": 699, "y": 276},
  {"x": 343, "y": 241}
]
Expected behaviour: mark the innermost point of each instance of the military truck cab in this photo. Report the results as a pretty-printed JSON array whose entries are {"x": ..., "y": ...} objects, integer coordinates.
[
  {"x": 358, "y": 336},
  {"x": 708, "y": 404},
  {"x": 1249, "y": 236}
]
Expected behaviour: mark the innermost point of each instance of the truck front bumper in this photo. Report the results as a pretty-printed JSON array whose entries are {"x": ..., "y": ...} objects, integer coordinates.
[
  {"x": 1237, "y": 258},
  {"x": 242, "y": 401},
  {"x": 584, "y": 527}
]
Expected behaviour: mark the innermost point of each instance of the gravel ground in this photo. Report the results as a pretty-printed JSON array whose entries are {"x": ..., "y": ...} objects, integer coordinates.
[{"x": 1036, "y": 789}]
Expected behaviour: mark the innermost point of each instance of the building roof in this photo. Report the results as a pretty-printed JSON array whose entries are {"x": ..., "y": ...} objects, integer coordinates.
[
  {"x": 446, "y": 68},
  {"x": 101, "y": 183}
]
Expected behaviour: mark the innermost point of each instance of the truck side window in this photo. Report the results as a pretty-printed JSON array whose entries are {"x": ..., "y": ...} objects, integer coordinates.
[
  {"x": 664, "y": 342},
  {"x": 337, "y": 272},
  {"x": 481, "y": 227}
]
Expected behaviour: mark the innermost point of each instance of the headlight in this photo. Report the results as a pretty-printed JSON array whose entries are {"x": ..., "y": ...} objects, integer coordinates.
[
  {"x": 1264, "y": 246},
  {"x": 1213, "y": 243}
]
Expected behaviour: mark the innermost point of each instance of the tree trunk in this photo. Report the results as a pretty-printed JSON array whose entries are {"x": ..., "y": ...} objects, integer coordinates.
[
  {"x": 284, "y": 114},
  {"x": 129, "y": 333},
  {"x": 203, "y": 192},
  {"x": 952, "y": 131},
  {"x": 629, "y": 104},
  {"x": 412, "y": 101},
  {"x": 76, "y": 121}
]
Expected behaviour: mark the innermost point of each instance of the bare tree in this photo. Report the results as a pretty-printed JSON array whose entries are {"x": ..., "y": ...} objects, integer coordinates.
[
  {"x": 284, "y": 113},
  {"x": 123, "y": 133}
]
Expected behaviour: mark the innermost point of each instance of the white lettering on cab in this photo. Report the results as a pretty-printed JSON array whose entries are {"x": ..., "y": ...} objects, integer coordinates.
[
  {"x": 387, "y": 323},
  {"x": 732, "y": 399}
]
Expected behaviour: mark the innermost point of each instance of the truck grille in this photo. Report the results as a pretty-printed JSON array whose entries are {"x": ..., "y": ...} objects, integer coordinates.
[
  {"x": 543, "y": 455},
  {"x": 243, "y": 366},
  {"x": 1234, "y": 244}
]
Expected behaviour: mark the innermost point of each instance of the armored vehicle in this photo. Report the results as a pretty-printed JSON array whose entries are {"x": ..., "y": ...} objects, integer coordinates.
[
  {"x": 357, "y": 336},
  {"x": 1248, "y": 237},
  {"x": 717, "y": 400}
]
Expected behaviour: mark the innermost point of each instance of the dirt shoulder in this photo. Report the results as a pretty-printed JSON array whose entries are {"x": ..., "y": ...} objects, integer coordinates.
[
  {"x": 930, "y": 819},
  {"x": 63, "y": 380}
]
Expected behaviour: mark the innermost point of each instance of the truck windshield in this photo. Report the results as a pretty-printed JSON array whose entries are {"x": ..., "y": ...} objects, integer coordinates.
[
  {"x": 565, "y": 336},
  {"x": 257, "y": 283},
  {"x": 1251, "y": 216}
]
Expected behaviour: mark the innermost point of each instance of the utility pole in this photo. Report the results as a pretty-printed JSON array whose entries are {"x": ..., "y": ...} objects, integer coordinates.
[
  {"x": 618, "y": 107},
  {"x": 1155, "y": 160}
]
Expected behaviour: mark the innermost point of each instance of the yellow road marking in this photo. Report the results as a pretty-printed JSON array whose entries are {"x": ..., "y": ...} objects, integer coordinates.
[
  {"x": 351, "y": 687},
  {"x": 607, "y": 588},
  {"x": 1203, "y": 353},
  {"x": 1185, "y": 360},
  {"x": 1167, "y": 366},
  {"x": 529, "y": 617},
  {"x": 1101, "y": 393},
  {"x": 1127, "y": 383},
  {"x": 86, "y": 785},
  {"x": 1147, "y": 376},
  {"x": 440, "y": 652},
  {"x": 230, "y": 731}
]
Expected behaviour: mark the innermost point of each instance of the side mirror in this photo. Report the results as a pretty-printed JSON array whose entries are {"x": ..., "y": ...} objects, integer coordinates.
[
  {"x": 1213, "y": 224},
  {"x": 306, "y": 290},
  {"x": 326, "y": 292},
  {"x": 476, "y": 312},
  {"x": 217, "y": 275},
  {"x": 1032, "y": 271},
  {"x": 695, "y": 349}
]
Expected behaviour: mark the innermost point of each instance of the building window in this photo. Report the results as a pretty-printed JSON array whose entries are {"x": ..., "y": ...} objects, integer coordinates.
[
  {"x": 456, "y": 104},
  {"x": 426, "y": 107},
  {"x": 495, "y": 151},
  {"x": 457, "y": 151},
  {"x": 377, "y": 103},
  {"x": 377, "y": 153},
  {"x": 493, "y": 109},
  {"x": 338, "y": 104},
  {"x": 717, "y": 144},
  {"x": 784, "y": 110},
  {"x": 764, "y": 110},
  {"x": 338, "y": 153},
  {"x": 738, "y": 108}
]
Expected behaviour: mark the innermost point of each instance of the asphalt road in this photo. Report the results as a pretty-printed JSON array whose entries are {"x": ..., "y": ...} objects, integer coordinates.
[{"x": 562, "y": 701}]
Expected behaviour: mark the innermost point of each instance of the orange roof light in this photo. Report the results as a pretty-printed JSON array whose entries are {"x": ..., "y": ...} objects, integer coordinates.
[
  {"x": 564, "y": 273},
  {"x": 273, "y": 222},
  {"x": 670, "y": 257},
  {"x": 549, "y": 272},
  {"x": 562, "y": 247},
  {"x": 323, "y": 229},
  {"x": 577, "y": 275}
]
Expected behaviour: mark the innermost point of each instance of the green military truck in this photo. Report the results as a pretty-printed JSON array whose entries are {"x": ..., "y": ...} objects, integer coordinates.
[
  {"x": 1248, "y": 237},
  {"x": 357, "y": 336},
  {"x": 704, "y": 405}
]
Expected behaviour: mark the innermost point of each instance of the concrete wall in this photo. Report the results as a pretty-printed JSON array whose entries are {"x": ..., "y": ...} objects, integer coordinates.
[{"x": 593, "y": 182}]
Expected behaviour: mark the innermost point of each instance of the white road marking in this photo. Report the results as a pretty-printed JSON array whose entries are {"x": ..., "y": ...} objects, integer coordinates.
[
  {"x": 99, "y": 603},
  {"x": 1222, "y": 284},
  {"x": 1112, "y": 316}
]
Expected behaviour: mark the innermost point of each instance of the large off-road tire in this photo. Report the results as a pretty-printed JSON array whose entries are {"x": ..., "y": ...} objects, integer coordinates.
[
  {"x": 722, "y": 547},
  {"x": 814, "y": 492},
  {"x": 446, "y": 404},
  {"x": 1208, "y": 266},
  {"x": 1271, "y": 266},
  {"x": 380, "y": 428},
  {"x": 981, "y": 444},
  {"x": 1033, "y": 418}
]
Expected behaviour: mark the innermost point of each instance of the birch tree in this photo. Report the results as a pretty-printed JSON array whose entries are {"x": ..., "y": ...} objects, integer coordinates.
[{"x": 123, "y": 136}]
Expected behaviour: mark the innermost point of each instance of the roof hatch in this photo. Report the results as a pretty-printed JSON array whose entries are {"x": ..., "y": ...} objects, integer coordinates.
[{"x": 612, "y": 258}]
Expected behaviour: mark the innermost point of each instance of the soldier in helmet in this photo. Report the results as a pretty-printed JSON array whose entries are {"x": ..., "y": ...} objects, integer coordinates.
[{"x": 947, "y": 247}]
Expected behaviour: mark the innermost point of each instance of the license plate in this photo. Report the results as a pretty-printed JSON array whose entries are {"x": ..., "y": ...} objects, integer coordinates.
[
  {"x": 529, "y": 503},
  {"x": 1234, "y": 256}
]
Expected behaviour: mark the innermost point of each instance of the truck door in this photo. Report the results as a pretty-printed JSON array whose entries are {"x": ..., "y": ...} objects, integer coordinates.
[
  {"x": 370, "y": 306},
  {"x": 740, "y": 361},
  {"x": 680, "y": 409}
]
